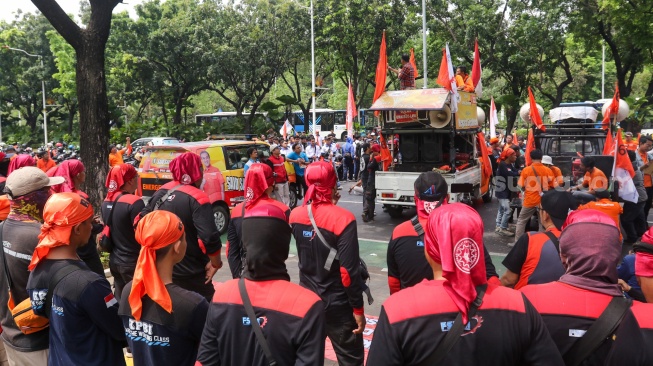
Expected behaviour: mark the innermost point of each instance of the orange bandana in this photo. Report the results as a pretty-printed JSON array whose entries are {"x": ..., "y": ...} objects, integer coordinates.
[
  {"x": 156, "y": 230},
  {"x": 60, "y": 214}
]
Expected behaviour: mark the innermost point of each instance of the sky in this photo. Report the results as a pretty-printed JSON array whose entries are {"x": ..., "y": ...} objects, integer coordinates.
[{"x": 9, "y": 7}]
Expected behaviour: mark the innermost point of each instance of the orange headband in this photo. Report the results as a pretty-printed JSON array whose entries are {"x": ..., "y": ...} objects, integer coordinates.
[
  {"x": 60, "y": 214},
  {"x": 156, "y": 230}
]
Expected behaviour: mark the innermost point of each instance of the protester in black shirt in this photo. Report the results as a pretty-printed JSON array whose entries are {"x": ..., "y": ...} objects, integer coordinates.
[
  {"x": 370, "y": 184},
  {"x": 590, "y": 251},
  {"x": 162, "y": 321},
  {"x": 290, "y": 316},
  {"x": 506, "y": 329},
  {"x": 195, "y": 272},
  {"x": 84, "y": 325},
  {"x": 28, "y": 189},
  {"x": 121, "y": 184}
]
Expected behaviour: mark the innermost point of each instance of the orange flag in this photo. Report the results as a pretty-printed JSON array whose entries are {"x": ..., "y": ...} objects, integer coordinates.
[
  {"x": 608, "y": 147},
  {"x": 487, "y": 166},
  {"x": 534, "y": 113},
  {"x": 381, "y": 72},
  {"x": 443, "y": 75},
  {"x": 621, "y": 156},
  {"x": 412, "y": 62},
  {"x": 530, "y": 146},
  {"x": 386, "y": 156},
  {"x": 613, "y": 109}
]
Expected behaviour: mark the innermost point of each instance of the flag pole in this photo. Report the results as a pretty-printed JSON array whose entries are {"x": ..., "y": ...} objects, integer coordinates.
[{"x": 424, "y": 42}]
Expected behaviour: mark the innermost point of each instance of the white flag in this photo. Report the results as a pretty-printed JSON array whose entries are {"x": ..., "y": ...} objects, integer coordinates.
[
  {"x": 494, "y": 119},
  {"x": 455, "y": 97},
  {"x": 285, "y": 129}
]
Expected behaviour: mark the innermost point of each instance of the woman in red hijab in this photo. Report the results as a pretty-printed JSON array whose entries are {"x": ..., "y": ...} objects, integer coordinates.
[
  {"x": 73, "y": 172},
  {"x": 20, "y": 161},
  {"x": 119, "y": 212},
  {"x": 259, "y": 183}
]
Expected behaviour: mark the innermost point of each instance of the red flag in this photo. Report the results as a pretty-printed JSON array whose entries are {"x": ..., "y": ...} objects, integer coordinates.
[
  {"x": 412, "y": 62},
  {"x": 487, "y": 166},
  {"x": 608, "y": 148},
  {"x": 476, "y": 70},
  {"x": 621, "y": 156},
  {"x": 386, "y": 156},
  {"x": 530, "y": 146},
  {"x": 381, "y": 72},
  {"x": 351, "y": 112},
  {"x": 534, "y": 113},
  {"x": 613, "y": 109},
  {"x": 443, "y": 75}
]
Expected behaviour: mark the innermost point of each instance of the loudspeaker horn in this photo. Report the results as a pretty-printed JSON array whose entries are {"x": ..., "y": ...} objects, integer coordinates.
[
  {"x": 480, "y": 115},
  {"x": 441, "y": 118},
  {"x": 525, "y": 111},
  {"x": 624, "y": 110}
]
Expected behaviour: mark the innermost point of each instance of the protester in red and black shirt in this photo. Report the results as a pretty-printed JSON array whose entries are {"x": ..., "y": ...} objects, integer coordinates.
[
  {"x": 281, "y": 191},
  {"x": 590, "y": 251},
  {"x": 291, "y": 317},
  {"x": 341, "y": 285},
  {"x": 644, "y": 264},
  {"x": 506, "y": 329},
  {"x": 259, "y": 183},
  {"x": 192, "y": 206},
  {"x": 121, "y": 185},
  {"x": 162, "y": 321},
  {"x": 535, "y": 258},
  {"x": 406, "y": 73}
]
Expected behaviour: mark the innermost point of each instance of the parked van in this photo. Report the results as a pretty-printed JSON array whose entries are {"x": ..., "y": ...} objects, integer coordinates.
[{"x": 223, "y": 163}]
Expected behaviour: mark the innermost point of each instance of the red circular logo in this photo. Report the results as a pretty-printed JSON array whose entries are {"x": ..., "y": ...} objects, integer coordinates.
[{"x": 466, "y": 254}]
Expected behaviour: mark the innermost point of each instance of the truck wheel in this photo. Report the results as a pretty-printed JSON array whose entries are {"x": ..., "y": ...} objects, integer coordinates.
[
  {"x": 221, "y": 217},
  {"x": 487, "y": 197},
  {"x": 395, "y": 211}
]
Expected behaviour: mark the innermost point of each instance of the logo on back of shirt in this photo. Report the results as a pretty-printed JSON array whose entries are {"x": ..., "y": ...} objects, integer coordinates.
[
  {"x": 420, "y": 243},
  {"x": 57, "y": 309},
  {"x": 144, "y": 332},
  {"x": 470, "y": 328},
  {"x": 262, "y": 321},
  {"x": 38, "y": 298}
]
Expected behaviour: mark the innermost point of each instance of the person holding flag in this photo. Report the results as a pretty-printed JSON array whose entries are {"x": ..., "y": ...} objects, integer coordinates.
[{"x": 406, "y": 73}]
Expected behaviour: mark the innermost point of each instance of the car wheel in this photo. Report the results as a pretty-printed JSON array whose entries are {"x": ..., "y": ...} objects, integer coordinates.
[
  {"x": 221, "y": 218},
  {"x": 395, "y": 211}
]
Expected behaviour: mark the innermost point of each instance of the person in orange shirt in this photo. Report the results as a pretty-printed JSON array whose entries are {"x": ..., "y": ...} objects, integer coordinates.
[
  {"x": 507, "y": 142},
  {"x": 534, "y": 181},
  {"x": 594, "y": 178},
  {"x": 44, "y": 162},
  {"x": 605, "y": 205},
  {"x": 115, "y": 155},
  {"x": 557, "y": 173},
  {"x": 463, "y": 81},
  {"x": 645, "y": 145},
  {"x": 630, "y": 143}
]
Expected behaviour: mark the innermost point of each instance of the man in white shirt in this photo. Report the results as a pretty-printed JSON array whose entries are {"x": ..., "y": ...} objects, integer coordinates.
[
  {"x": 285, "y": 149},
  {"x": 312, "y": 150}
]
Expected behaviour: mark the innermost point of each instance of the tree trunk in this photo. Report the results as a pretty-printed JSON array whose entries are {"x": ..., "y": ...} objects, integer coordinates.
[
  {"x": 93, "y": 116},
  {"x": 72, "y": 110},
  {"x": 176, "y": 119}
]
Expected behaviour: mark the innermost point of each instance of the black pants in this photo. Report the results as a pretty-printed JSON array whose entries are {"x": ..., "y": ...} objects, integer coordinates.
[
  {"x": 301, "y": 182},
  {"x": 347, "y": 345},
  {"x": 632, "y": 221},
  {"x": 121, "y": 276},
  {"x": 647, "y": 206},
  {"x": 368, "y": 204},
  {"x": 196, "y": 284}
]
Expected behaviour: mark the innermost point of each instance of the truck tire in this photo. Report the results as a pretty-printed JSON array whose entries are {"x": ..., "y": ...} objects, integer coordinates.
[
  {"x": 221, "y": 217},
  {"x": 395, "y": 211},
  {"x": 487, "y": 197}
]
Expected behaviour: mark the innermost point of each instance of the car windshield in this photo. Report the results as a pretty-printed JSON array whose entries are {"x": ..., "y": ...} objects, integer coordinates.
[
  {"x": 169, "y": 141},
  {"x": 236, "y": 156}
]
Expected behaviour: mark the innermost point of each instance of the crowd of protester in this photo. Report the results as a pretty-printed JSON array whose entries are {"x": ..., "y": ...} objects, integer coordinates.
[{"x": 574, "y": 293}]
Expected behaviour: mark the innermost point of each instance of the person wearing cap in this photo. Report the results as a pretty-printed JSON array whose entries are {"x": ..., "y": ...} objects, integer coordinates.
[
  {"x": 535, "y": 258},
  {"x": 369, "y": 196},
  {"x": 631, "y": 144},
  {"x": 281, "y": 190},
  {"x": 84, "y": 325},
  {"x": 252, "y": 155},
  {"x": 337, "y": 281},
  {"x": 27, "y": 190},
  {"x": 121, "y": 208},
  {"x": 506, "y": 174},
  {"x": 505, "y": 329},
  {"x": 162, "y": 321},
  {"x": 607, "y": 206},
  {"x": 44, "y": 162},
  {"x": 259, "y": 184},
  {"x": 291, "y": 316},
  {"x": 558, "y": 179},
  {"x": 202, "y": 260},
  {"x": 590, "y": 251},
  {"x": 534, "y": 181},
  {"x": 116, "y": 153}
]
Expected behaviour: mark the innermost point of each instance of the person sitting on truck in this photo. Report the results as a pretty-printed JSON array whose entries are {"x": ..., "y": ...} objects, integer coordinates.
[
  {"x": 594, "y": 178},
  {"x": 557, "y": 173},
  {"x": 505, "y": 174},
  {"x": 463, "y": 80},
  {"x": 534, "y": 180},
  {"x": 406, "y": 73},
  {"x": 630, "y": 143}
]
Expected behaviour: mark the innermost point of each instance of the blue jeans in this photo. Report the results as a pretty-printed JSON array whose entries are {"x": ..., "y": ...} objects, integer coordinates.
[{"x": 503, "y": 215}]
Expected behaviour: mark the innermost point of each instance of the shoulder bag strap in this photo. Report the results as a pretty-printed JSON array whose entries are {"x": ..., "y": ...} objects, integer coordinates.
[
  {"x": 253, "y": 321},
  {"x": 333, "y": 252},
  {"x": 165, "y": 197},
  {"x": 417, "y": 226},
  {"x": 454, "y": 333},
  {"x": 110, "y": 218},
  {"x": 537, "y": 178},
  {"x": 54, "y": 281},
  {"x": 553, "y": 239},
  {"x": 602, "y": 328}
]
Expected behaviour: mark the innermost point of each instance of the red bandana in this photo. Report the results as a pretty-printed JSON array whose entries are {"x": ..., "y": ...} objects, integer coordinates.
[
  {"x": 68, "y": 170},
  {"x": 20, "y": 161},
  {"x": 117, "y": 177},
  {"x": 259, "y": 178},
  {"x": 186, "y": 168},
  {"x": 321, "y": 179}
]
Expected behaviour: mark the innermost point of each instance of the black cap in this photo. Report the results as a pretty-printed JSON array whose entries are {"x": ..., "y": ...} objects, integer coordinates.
[
  {"x": 558, "y": 204},
  {"x": 431, "y": 187}
]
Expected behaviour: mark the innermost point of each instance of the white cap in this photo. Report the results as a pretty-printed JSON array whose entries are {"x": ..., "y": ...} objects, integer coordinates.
[{"x": 546, "y": 159}]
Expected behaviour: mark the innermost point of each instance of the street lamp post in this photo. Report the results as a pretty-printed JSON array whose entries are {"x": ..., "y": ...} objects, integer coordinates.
[
  {"x": 313, "y": 75},
  {"x": 45, "y": 111}
]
